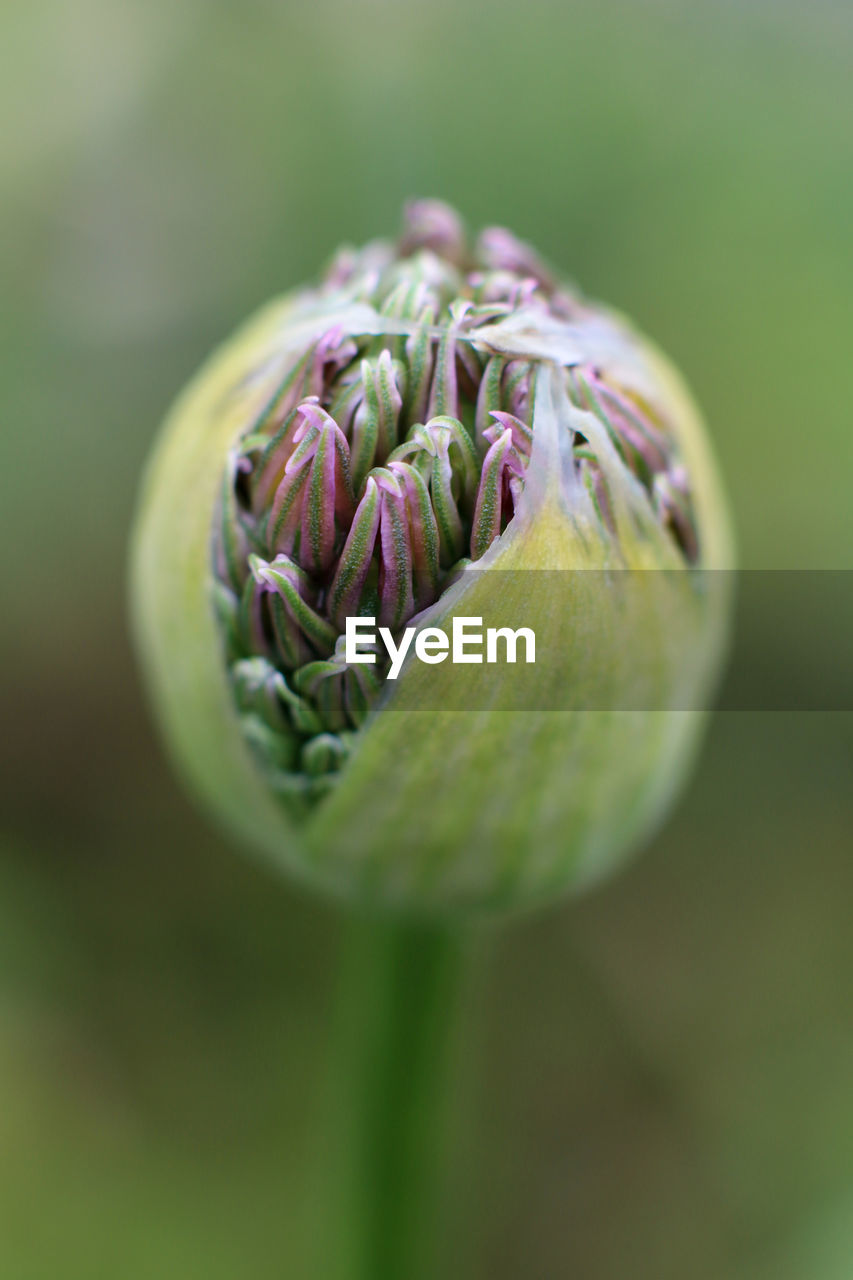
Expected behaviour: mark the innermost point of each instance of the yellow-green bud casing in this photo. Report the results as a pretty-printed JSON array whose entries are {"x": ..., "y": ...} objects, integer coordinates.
[{"x": 439, "y": 807}]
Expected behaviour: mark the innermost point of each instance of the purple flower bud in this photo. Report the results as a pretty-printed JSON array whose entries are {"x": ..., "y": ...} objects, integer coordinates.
[
  {"x": 433, "y": 225},
  {"x": 389, "y": 452},
  {"x": 373, "y": 450}
]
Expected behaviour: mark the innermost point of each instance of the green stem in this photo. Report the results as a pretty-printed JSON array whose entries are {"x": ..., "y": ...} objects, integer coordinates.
[{"x": 398, "y": 1000}]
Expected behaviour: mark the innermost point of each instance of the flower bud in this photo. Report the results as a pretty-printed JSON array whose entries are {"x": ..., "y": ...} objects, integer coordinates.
[{"x": 434, "y": 432}]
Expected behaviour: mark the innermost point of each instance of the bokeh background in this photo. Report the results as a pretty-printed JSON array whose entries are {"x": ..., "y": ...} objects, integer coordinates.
[{"x": 661, "y": 1074}]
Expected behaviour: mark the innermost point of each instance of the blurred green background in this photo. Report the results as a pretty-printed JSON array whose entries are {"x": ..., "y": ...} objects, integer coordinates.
[{"x": 661, "y": 1074}]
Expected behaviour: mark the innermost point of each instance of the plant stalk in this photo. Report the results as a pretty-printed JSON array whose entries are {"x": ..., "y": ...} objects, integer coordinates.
[{"x": 391, "y": 1068}]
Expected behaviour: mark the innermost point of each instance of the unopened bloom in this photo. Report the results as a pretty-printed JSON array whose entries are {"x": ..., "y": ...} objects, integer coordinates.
[{"x": 430, "y": 432}]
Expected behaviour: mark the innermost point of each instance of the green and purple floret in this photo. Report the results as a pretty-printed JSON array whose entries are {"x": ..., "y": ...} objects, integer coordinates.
[
  {"x": 436, "y": 432},
  {"x": 385, "y": 462}
]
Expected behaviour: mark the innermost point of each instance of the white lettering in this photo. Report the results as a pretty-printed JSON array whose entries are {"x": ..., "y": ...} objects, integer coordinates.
[
  {"x": 511, "y": 637},
  {"x": 461, "y": 637},
  {"x": 397, "y": 655},
  {"x": 353, "y": 639},
  {"x": 432, "y": 645}
]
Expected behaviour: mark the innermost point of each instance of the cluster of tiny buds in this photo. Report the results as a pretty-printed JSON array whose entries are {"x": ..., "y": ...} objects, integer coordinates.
[{"x": 381, "y": 465}]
